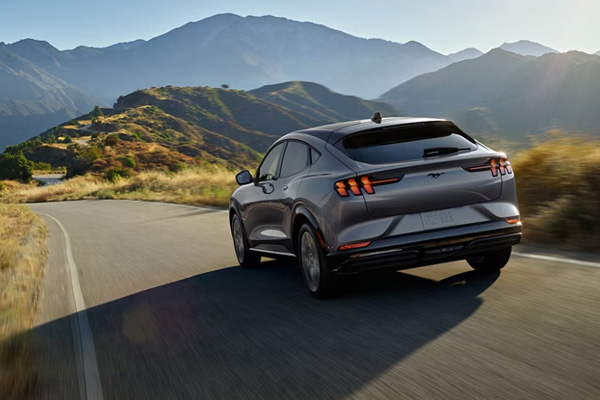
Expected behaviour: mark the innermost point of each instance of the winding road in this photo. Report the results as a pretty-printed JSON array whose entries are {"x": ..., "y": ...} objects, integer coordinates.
[{"x": 146, "y": 301}]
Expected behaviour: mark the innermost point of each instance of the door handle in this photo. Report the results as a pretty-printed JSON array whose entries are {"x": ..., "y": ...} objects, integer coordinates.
[{"x": 285, "y": 187}]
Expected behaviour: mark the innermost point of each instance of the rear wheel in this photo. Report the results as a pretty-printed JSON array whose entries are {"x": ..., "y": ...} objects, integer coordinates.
[
  {"x": 490, "y": 261},
  {"x": 320, "y": 280},
  {"x": 245, "y": 257}
]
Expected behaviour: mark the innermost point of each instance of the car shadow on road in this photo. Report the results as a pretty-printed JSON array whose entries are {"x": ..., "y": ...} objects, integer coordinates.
[{"x": 246, "y": 334}]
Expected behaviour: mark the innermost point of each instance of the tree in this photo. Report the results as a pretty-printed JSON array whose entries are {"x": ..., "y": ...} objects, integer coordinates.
[
  {"x": 225, "y": 86},
  {"x": 15, "y": 166},
  {"x": 97, "y": 112}
]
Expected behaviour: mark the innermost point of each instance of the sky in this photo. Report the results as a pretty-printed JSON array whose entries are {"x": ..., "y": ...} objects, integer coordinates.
[{"x": 445, "y": 26}]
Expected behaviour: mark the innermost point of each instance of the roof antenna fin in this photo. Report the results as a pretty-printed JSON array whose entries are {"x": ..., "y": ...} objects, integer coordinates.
[{"x": 376, "y": 117}]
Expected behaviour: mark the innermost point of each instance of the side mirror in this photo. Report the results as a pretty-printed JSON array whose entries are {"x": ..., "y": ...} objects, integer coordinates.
[{"x": 243, "y": 177}]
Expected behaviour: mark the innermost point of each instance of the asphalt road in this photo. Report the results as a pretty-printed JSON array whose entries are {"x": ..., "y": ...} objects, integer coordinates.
[
  {"x": 171, "y": 315},
  {"x": 49, "y": 179}
]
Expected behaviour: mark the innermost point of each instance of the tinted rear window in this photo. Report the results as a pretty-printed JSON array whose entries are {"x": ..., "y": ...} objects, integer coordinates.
[{"x": 405, "y": 143}]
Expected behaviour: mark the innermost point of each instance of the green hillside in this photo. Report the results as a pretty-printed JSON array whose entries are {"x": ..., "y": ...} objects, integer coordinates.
[
  {"x": 169, "y": 127},
  {"x": 321, "y": 103}
]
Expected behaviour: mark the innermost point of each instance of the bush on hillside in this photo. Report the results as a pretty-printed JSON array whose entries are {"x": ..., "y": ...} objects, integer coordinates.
[
  {"x": 83, "y": 159},
  {"x": 116, "y": 173},
  {"x": 42, "y": 166},
  {"x": 111, "y": 140},
  {"x": 127, "y": 161},
  {"x": 15, "y": 166}
]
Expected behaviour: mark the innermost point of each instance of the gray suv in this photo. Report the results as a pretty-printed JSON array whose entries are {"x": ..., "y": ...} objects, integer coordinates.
[{"x": 392, "y": 193}]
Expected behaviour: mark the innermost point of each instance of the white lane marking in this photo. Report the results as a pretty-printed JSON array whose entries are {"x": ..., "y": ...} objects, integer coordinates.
[
  {"x": 91, "y": 376},
  {"x": 557, "y": 259}
]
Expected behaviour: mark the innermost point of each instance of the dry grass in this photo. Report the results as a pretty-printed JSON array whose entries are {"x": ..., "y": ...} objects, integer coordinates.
[
  {"x": 210, "y": 185},
  {"x": 22, "y": 262},
  {"x": 558, "y": 184}
]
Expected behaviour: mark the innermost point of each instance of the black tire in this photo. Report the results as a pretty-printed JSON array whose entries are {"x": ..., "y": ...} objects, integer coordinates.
[
  {"x": 245, "y": 256},
  {"x": 490, "y": 261},
  {"x": 321, "y": 282}
]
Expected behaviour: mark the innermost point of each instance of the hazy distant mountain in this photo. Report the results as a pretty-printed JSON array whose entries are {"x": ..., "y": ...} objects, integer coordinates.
[
  {"x": 31, "y": 99},
  {"x": 465, "y": 54},
  {"x": 597, "y": 53},
  {"x": 527, "y": 48},
  {"x": 242, "y": 52},
  {"x": 510, "y": 94}
]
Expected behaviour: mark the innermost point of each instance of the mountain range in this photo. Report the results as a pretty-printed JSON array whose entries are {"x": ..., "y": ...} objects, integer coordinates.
[
  {"x": 509, "y": 94},
  {"x": 43, "y": 86}
]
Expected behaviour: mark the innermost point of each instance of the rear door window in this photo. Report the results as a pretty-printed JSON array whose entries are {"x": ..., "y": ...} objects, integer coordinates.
[
  {"x": 404, "y": 143},
  {"x": 296, "y": 159}
]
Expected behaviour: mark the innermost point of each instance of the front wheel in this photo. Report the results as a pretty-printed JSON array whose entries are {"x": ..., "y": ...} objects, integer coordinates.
[
  {"x": 490, "y": 261},
  {"x": 320, "y": 280},
  {"x": 245, "y": 257}
]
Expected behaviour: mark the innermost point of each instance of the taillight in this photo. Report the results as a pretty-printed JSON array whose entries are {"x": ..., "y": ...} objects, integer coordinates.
[
  {"x": 364, "y": 182},
  {"x": 496, "y": 165}
]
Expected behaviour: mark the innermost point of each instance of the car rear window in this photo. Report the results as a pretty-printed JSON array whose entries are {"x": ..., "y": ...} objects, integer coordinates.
[{"x": 410, "y": 142}]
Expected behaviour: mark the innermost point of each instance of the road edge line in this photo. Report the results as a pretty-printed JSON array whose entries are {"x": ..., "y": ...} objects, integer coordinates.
[
  {"x": 557, "y": 259},
  {"x": 91, "y": 375}
]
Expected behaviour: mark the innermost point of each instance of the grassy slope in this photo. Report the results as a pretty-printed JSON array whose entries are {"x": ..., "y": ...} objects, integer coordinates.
[
  {"x": 209, "y": 184},
  {"x": 558, "y": 183},
  {"x": 22, "y": 262}
]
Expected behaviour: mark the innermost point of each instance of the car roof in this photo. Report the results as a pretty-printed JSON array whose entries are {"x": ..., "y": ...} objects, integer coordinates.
[{"x": 333, "y": 132}]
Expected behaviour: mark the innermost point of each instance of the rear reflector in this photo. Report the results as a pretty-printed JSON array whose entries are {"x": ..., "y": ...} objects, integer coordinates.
[
  {"x": 354, "y": 246},
  {"x": 365, "y": 182}
]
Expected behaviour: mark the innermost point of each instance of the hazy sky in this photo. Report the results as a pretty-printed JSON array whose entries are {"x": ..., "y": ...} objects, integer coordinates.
[{"x": 442, "y": 25}]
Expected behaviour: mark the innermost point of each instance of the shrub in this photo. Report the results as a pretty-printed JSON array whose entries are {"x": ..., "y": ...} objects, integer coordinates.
[
  {"x": 83, "y": 159},
  {"x": 111, "y": 140},
  {"x": 15, "y": 166},
  {"x": 67, "y": 139},
  {"x": 127, "y": 161},
  {"x": 116, "y": 173},
  {"x": 42, "y": 166},
  {"x": 178, "y": 166}
]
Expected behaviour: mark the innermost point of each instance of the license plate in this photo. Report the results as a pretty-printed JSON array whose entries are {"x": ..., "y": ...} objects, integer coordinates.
[{"x": 438, "y": 219}]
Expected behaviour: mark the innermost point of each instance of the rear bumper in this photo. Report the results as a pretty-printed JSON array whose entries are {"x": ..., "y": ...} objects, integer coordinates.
[{"x": 411, "y": 251}]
